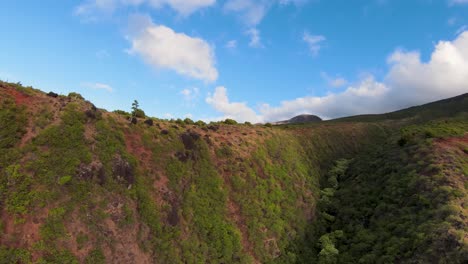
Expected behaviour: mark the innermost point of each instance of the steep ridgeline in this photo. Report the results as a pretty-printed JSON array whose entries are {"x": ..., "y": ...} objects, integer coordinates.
[
  {"x": 300, "y": 119},
  {"x": 82, "y": 185}
]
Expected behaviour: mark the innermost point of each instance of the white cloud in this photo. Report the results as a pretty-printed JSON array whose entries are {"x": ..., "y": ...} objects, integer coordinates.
[
  {"x": 334, "y": 81},
  {"x": 252, "y": 12},
  {"x": 98, "y": 86},
  {"x": 254, "y": 35},
  {"x": 234, "y": 110},
  {"x": 409, "y": 82},
  {"x": 313, "y": 41},
  {"x": 444, "y": 75},
  {"x": 169, "y": 115},
  {"x": 356, "y": 99},
  {"x": 190, "y": 95},
  {"x": 91, "y": 10},
  {"x": 231, "y": 44},
  {"x": 161, "y": 47}
]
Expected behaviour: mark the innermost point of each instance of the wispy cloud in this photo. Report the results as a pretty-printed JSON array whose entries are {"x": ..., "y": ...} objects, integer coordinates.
[
  {"x": 334, "y": 81},
  {"x": 231, "y": 44},
  {"x": 255, "y": 40},
  {"x": 252, "y": 12},
  {"x": 314, "y": 42},
  {"x": 92, "y": 10},
  {"x": 98, "y": 86},
  {"x": 190, "y": 95}
]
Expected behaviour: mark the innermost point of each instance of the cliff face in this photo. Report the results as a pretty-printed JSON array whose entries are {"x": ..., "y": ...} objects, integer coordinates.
[{"x": 79, "y": 184}]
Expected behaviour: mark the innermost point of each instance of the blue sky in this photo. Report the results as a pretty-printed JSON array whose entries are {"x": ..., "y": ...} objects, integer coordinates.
[{"x": 251, "y": 60}]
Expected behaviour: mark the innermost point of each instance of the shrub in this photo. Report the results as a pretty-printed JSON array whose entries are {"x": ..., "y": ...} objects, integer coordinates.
[
  {"x": 149, "y": 122},
  {"x": 64, "y": 180},
  {"x": 52, "y": 94},
  {"x": 230, "y": 122},
  {"x": 73, "y": 95},
  {"x": 139, "y": 113},
  {"x": 188, "y": 121},
  {"x": 200, "y": 123},
  {"x": 268, "y": 125},
  {"x": 121, "y": 112}
]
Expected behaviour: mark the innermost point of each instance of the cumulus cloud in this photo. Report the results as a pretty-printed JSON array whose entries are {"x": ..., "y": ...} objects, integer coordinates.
[
  {"x": 163, "y": 48},
  {"x": 409, "y": 81},
  {"x": 234, "y": 110},
  {"x": 313, "y": 41},
  {"x": 356, "y": 99},
  {"x": 98, "y": 86},
  {"x": 93, "y": 9},
  {"x": 444, "y": 75}
]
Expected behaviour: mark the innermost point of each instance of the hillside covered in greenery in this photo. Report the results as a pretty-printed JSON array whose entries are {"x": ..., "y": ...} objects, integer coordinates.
[{"x": 79, "y": 184}]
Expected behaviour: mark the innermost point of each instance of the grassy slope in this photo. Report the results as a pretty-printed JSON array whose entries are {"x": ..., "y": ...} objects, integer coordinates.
[{"x": 83, "y": 185}]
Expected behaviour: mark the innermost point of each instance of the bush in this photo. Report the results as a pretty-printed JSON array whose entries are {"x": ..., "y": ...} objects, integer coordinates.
[
  {"x": 188, "y": 121},
  {"x": 200, "y": 123},
  {"x": 64, "y": 180},
  {"x": 268, "y": 125},
  {"x": 230, "y": 122},
  {"x": 149, "y": 122},
  {"x": 52, "y": 94},
  {"x": 121, "y": 112},
  {"x": 73, "y": 95},
  {"x": 139, "y": 113}
]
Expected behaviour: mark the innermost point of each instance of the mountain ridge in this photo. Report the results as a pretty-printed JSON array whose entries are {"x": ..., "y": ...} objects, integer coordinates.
[
  {"x": 79, "y": 184},
  {"x": 304, "y": 118}
]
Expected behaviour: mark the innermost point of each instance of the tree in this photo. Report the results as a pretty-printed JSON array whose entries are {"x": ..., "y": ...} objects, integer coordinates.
[
  {"x": 135, "y": 107},
  {"x": 136, "y": 111}
]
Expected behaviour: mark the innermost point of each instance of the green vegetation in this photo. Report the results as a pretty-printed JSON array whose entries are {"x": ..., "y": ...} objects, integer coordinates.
[
  {"x": 14, "y": 255},
  {"x": 394, "y": 204},
  {"x": 81, "y": 185},
  {"x": 136, "y": 111},
  {"x": 230, "y": 122}
]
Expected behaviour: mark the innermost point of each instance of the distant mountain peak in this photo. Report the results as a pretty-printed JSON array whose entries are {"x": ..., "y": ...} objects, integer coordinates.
[{"x": 304, "y": 118}]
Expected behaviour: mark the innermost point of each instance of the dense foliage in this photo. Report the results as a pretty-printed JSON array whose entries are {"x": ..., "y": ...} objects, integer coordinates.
[{"x": 81, "y": 185}]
